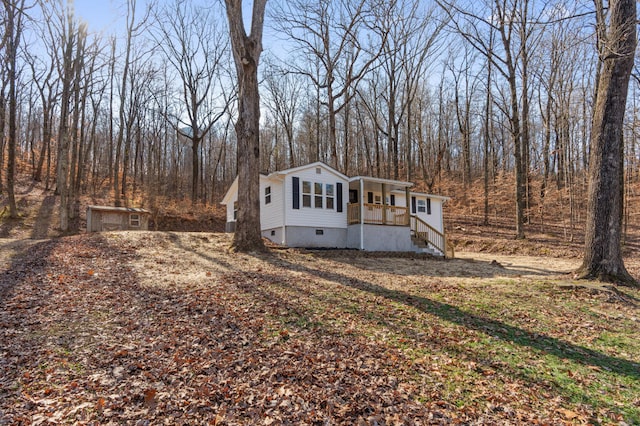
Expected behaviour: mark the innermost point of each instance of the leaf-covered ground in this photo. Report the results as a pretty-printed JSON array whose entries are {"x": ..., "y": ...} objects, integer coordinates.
[{"x": 170, "y": 328}]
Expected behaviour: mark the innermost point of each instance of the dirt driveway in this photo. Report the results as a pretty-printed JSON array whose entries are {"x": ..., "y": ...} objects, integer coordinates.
[{"x": 525, "y": 265}]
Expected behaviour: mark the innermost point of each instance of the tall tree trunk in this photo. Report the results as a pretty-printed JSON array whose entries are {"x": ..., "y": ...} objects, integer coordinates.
[
  {"x": 3, "y": 125},
  {"x": 62, "y": 171},
  {"x": 246, "y": 54},
  {"x": 603, "y": 252},
  {"x": 13, "y": 30},
  {"x": 131, "y": 28},
  {"x": 487, "y": 141},
  {"x": 195, "y": 164}
]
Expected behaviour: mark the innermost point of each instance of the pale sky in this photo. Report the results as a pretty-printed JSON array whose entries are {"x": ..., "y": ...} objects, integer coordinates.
[{"x": 101, "y": 15}]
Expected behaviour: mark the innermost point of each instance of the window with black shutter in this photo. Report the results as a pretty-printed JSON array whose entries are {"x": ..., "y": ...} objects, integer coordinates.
[{"x": 295, "y": 182}]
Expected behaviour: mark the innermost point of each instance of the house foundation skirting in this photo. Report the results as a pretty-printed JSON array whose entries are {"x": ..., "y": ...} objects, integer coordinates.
[
  {"x": 308, "y": 236},
  {"x": 380, "y": 237}
]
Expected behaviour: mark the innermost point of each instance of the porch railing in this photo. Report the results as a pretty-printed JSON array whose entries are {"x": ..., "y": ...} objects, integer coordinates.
[
  {"x": 377, "y": 214},
  {"x": 429, "y": 234}
]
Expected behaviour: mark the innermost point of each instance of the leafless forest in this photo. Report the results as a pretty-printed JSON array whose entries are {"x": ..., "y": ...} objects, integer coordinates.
[{"x": 431, "y": 92}]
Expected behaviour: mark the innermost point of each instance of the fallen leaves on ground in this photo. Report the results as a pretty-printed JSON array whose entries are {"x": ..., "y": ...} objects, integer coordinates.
[{"x": 168, "y": 328}]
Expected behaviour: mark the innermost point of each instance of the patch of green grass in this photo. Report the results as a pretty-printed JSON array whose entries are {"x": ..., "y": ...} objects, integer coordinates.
[{"x": 477, "y": 342}]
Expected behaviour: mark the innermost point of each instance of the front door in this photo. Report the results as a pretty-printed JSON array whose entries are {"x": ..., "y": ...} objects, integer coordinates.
[{"x": 353, "y": 196}]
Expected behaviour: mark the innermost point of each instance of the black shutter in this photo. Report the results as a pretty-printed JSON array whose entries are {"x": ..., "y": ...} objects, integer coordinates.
[
  {"x": 370, "y": 197},
  {"x": 428, "y": 205},
  {"x": 339, "y": 197},
  {"x": 393, "y": 200},
  {"x": 413, "y": 205},
  {"x": 296, "y": 192}
]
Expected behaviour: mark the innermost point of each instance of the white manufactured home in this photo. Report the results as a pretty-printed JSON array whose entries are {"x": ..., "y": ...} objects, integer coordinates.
[{"x": 316, "y": 206}]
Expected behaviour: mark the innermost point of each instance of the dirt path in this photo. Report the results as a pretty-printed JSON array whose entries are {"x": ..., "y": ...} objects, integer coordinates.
[
  {"x": 11, "y": 249},
  {"x": 526, "y": 265}
]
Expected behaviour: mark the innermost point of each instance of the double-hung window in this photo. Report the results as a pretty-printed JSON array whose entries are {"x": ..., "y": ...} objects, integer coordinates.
[
  {"x": 422, "y": 205},
  {"x": 267, "y": 195},
  {"x": 306, "y": 193},
  {"x": 318, "y": 195},
  {"x": 330, "y": 194}
]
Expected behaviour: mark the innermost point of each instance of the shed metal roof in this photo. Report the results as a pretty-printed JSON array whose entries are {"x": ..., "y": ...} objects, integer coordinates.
[{"x": 118, "y": 209}]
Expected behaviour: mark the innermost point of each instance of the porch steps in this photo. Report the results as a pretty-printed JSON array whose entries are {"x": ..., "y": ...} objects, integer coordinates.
[{"x": 421, "y": 246}]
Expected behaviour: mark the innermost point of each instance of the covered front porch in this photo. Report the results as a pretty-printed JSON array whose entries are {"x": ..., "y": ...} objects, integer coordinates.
[
  {"x": 373, "y": 201},
  {"x": 377, "y": 214},
  {"x": 382, "y": 215}
]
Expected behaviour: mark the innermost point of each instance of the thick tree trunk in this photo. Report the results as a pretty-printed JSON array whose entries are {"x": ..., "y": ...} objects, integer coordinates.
[
  {"x": 246, "y": 53},
  {"x": 195, "y": 165},
  {"x": 603, "y": 253},
  {"x": 62, "y": 171}
]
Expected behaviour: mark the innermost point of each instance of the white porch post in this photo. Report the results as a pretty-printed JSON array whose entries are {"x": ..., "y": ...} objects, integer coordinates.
[
  {"x": 408, "y": 195},
  {"x": 361, "y": 214},
  {"x": 384, "y": 204}
]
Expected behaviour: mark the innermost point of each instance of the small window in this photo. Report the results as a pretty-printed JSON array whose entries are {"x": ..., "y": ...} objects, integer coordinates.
[
  {"x": 273, "y": 232},
  {"x": 378, "y": 199},
  {"x": 422, "y": 208},
  {"x": 306, "y": 193},
  {"x": 319, "y": 231},
  {"x": 134, "y": 220},
  {"x": 330, "y": 196},
  {"x": 318, "y": 195},
  {"x": 318, "y": 171},
  {"x": 428, "y": 205},
  {"x": 267, "y": 195},
  {"x": 235, "y": 210}
]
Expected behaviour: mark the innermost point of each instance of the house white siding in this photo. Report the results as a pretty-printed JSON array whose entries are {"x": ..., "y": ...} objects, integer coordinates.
[
  {"x": 231, "y": 198},
  {"x": 435, "y": 218},
  {"x": 316, "y": 217},
  {"x": 271, "y": 214}
]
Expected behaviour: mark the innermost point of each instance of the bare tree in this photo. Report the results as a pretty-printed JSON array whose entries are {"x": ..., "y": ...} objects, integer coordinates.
[
  {"x": 134, "y": 26},
  {"x": 284, "y": 93},
  {"x": 72, "y": 37},
  {"x": 192, "y": 43},
  {"x": 14, "y": 15},
  {"x": 616, "y": 31},
  {"x": 330, "y": 35},
  {"x": 463, "y": 95},
  {"x": 246, "y": 54},
  {"x": 46, "y": 81},
  {"x": 517, "y": 35},
  {"x": 410, "y": 37}
]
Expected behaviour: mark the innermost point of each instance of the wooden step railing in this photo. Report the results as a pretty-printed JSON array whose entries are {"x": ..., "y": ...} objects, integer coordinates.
[{"x": 430, "y": 235}]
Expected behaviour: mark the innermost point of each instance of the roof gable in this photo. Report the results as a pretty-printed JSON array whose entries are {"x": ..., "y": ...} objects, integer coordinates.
[{"x": 310, "y": 166}]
